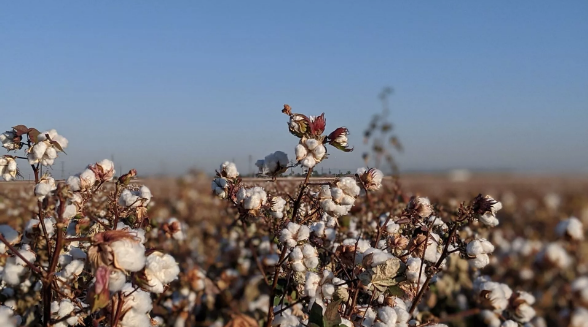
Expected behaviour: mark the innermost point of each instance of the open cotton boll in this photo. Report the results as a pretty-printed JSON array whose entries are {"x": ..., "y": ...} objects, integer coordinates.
[
  {"x": 11, "y": 236},
  {"x": 74, "y": 183},
  {"x": 38, "y": 150},
  {"x": 129, "y": 255},
  {"x": 308, "y": 162},
  {"x": 50, "y": 153},
  {"x": 87, "y": 179},
  {"x": 387, "y": 315},
  {"x": 135, "y": 319},
  {"x": 229, "y": 170},
  {"x": 311, "y": 144},
  {"x": 139, "y": 300},
  {"x": 12, "y": 272},
  {"x": 571, "y": 227},
  {"x": 300, "y": 152},
  {"x": 117, "y": 280},
  {"x": 319, "y": 152},
  {"x": 27, "y": 253},
  {"x": 163, "y": 266},
  {"x": 74, "y": 268}
]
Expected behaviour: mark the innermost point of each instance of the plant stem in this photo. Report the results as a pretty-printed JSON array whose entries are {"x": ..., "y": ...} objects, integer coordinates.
[{"x": 299, "y": 199}]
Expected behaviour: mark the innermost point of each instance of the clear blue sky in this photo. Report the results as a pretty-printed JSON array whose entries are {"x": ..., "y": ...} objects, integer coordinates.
[{"x": 175, "y": 84}]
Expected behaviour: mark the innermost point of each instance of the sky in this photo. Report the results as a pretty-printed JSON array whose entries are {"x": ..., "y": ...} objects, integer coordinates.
[{"x": 163, "y": 86}]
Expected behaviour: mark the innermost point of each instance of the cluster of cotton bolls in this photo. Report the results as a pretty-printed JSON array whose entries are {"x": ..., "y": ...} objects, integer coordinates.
[
  {"x": 501, "y": 301},
  {"x": 8, "y": 318},
  {"x": 310, "y": 152},
  {"x": 45, "y": 151},
  {"x": 8, "y": 168},
  {"x": 338, "y": 200},
  {"x": 294, "y": 233},
  {"x": 135, "y": 198},
  {"x": 7, "y": 140},
  {"x": 330, "y": 255},
  {"x": 477, "y": 251},
  {"x": 102, "y": 171},
  {"x": 273, "y": 164},
  {"x": 252, "y": 198}
]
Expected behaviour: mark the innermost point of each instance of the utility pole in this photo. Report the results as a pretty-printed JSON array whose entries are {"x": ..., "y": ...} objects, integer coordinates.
[{"x": 62, "y": 170}]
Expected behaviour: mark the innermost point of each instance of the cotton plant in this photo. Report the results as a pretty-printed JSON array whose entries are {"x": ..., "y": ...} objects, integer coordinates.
[
  {"x": 329, "y": 250},
  {"x": 84, "y": 253}
]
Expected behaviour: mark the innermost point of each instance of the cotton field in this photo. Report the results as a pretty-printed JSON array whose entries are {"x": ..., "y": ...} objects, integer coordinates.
[{"x": 105, "y": 248}]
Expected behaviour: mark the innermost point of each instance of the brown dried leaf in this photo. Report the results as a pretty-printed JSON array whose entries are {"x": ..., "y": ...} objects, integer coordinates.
[{"x": 20, "y": 129}]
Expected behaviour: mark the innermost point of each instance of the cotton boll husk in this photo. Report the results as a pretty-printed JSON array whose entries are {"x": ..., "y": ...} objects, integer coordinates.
[{"x": 129, "y": 255}]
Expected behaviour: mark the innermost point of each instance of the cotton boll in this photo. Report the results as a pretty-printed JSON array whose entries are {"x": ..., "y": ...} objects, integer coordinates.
[
  {"x": 87, "y": 179},
  {"x": 571, "y": 227},
  {"x": 387, "y": 315},
  {"x": 229, "y": 170},
  {"x": 74, "y": 268},
  {"x": 70, "y": 211},
  {"x": 51, "y": 153},
  {"x": 319, "y": 152},
  {"x": 509, "y": 323},
  {"x": 129, "y": 255},
  {"x": 38, "y": 150},
  {"x": 480, "y": 261},
  {"x": 139, "y": 300},
  {"x": 311, "y": 263},
  {"x": 12, "y": 272},
  {"x": 328, "y": 290},
  {"x": 308, "y": 162},
  {"x": 311, "y": 144},
  {"x": 117, "y": 280},
  {"x": 135, "y": 319},
  {"x": 163, "y": 266},
  {"x": 74, "y": 183},
  {"x": 300, "y": 152}
]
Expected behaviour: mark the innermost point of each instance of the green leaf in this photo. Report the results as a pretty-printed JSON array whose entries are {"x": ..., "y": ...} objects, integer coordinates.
[
  {"x": 395, "y": 290},
  {"x": 316, "y": 315},
  {"x": 332, "y": 317}
]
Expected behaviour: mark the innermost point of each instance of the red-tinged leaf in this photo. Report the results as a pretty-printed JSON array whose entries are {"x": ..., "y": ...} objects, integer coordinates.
[
  {"x": 58, "y": 146},
  {"x": 33, "y": 135},
  {"x": 20, "y": 129}
]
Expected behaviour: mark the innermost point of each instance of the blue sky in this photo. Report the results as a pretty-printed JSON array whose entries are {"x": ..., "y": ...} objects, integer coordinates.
[{"x": 168, "y": 85}]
